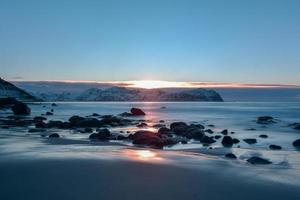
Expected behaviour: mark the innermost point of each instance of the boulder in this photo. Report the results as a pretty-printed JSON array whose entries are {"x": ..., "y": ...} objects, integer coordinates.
[
  {"x": 275, "y": 147},
  {"x": 227, "y": 141},
  {"x": 263, "y": 136},
  {"x": 89, "y": 122},
  {"x": 225, "y": 132},
  {"x": 207, "y": 140},
  {"x": 75, "y": 119},
  {"x": 250, "y": 140},
  {"x": 164, "y": 131},
  {"x": 137, "y": 112},
  {"x": 39, "y": 119},
  {"x": 149, "y": 138},
  {"x": 209, "y": 131},
  {"x": 49, "y": 113},
  {"x": 297, "y": 126},
  {"x": 231, "y": 156},
  {"x": 218, "y": 136},
  {"x": 21, "y": 109},
  {"x": 257, "y": 160},
  {"x": 54, "y": 135},
  {"x": 102, "y": 134},
  {"x": 179, "y": 128},
  {"x": 265, "y": 120},
  {"x": 7, "y": 102},
  {"x": 235, "y": 140},
  {"x": 142, "y": 125},
  {"x": 296, "y": 143}
]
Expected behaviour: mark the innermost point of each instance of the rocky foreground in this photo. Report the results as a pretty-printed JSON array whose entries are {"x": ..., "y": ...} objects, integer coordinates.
[{"x": 98, "y": 129}]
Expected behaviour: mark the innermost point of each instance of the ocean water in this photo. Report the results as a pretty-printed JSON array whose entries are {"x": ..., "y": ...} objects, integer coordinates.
[{"x": 237, "y": 117}]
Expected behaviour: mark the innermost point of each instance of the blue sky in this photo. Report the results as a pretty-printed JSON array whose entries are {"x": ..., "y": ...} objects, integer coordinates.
[{"x": 220, "y": 41}]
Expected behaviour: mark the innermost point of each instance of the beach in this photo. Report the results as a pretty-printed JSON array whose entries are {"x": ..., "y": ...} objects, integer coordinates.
[{"x": 72, "y": 166}]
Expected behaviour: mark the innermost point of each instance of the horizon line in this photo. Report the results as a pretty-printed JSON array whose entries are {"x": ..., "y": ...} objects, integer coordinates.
[{"x": 152, "y": 84}]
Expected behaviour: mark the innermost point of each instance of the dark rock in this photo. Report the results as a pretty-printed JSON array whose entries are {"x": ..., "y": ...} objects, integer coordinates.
[
  {"x": 89, "y": 122},
  {"x": 35, "y": 130},
  {"x": 137, "y": 112},
  {"x": 218, "y": 136},
  {"x": 297, "y": 126},
  {"x": 198, "y": 126},
  {"x": 54, "y": 135},
  {"x": 142, "y": 125},
  {"x": 125, "y": 114},
  {"x": 227, "y": 141},
  {"x": 53, "y": 104},
  {"x": 49, "y": 113},
  {"x": 257, "y": 160},
  {"x": 158, "y": 125},
  {"x": 21, "y": 109},
  {"x": 164, "y": 131},
  {"x": 7, "y": 102},
  {"x": 275, "y": 147},
  {"x": 40, "y": 125},
  {"x": 231, "y": 156},
  {"x": 88, "y": 130},
  {"x": 163, "y": 107},
  {"x": 54, "y": 124},
  {"x": 183, "y": 142},
  {"x": 207, "y": 140},
  {"x": 102, "y": 134},
  {"x": 250, "y": 140},
  {"x": 95, "y": 115},
  {"x": 235, "y": 140},
  {"x": 225, "y": 132},
  {"x": 149, "y": 138},
  {"x": 251, "y": 129},
  {"x": 265, "y": 120},
  {"x": 161, "y": 121},
  {"x": 296, "y": 143},
  {"x": 39, "y": 119},
  {"x": 5, "y": 127},
  {"x": 75, "y": 119},
  {"x": 211, "y": 125},
  {"x": 209, "y": 131},
  {"x": 179, "y": 128},
  {"x": 263, "y": 136}
]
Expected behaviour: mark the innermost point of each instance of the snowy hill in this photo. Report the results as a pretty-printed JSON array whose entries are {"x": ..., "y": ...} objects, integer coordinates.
[{"x": 9, "y": 90}]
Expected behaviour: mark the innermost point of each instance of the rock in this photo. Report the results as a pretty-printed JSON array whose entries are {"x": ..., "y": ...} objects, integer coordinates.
[
  {"x": 88, "y": 130},
  {"x": 53, "y": 104},
  {"x": 149, "y": 138},
  {"x": 161, "y": 121},
  {"x": 49, "y": 113},
  {"x": 142, "y": 125},
  {"x": 275, "y": 147},
  {"x": 257, "y": 160},
  {"x": 296, "y": 143},
  {"x": 231, "y": 156},
  {"x": 297, "y": 126},
  {"x": 225, "y": 132},
  {"x": 125, "y": 114},
  {"x": 102, "y": 134},
  {"x": 227, "y": 141},
  {"x": 198, "y": 126},
  {"x": 235, "y": 141},
  {"x": 40, "y": 125},
  {"x": 265, "y": 120},
  {"x": 7, "y": 102},
  {"x": 163, "y": 107},
  {"x": 35, "y": 130},
  {"x": 183, "y": 142},
  {"x": 263, "y": 136},
  {"x": 211, "y": 125},
  {"x": 164, "y": 131},
  {"x": 209, "y": 131},
  {"x": 89, "y": 122},
  {"x": 75, "y": 119},
  {"x": 250, "y": 140},
  {"x": 58, "y": 124},
  {"x": 54, "y": 135},
  {"x": 218, "y": 136},
  {"x": 179, "y": 128},
  {"x": 39, "y": 119},
  {"x": 95, "y": 115},
  {"x": 121, "y": 137},
  {"x": 207, "y": 140},
  {"x": 137, "y": 112},
  {"x": 250, "y": 129},
  {"x": 21, "y": 109}
]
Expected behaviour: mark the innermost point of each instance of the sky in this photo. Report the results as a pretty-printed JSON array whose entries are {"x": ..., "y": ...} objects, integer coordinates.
[{"x": 222, "y": 41}]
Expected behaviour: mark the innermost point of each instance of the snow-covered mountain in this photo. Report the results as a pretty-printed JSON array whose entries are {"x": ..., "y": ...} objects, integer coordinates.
[
  {"x": 9, "y": 90},
  {"x": 135, "y": 94}
]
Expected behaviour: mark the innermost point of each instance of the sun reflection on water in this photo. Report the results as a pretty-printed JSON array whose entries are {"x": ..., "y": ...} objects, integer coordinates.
[{"x": 143, "y": 155}]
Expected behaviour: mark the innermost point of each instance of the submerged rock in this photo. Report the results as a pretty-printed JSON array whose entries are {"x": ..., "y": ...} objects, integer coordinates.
[
  {"x": 227, "y": 141},
  {"x": 225, "y": 132},
  {"x": 263, "y": 136},
  {"x": 137, "y": 112},
  {"x": 250, "y": 140},
  {"x": 231, "y": 156},
  {"x": 102, "y": 134},
  {"x": 275, "y": 147},
  {"x": 265, "y": 120},
  {"x": 21, "y": 109},
  {"x": 296, "y": 143},
  {"x": 209, "y": 131},
  {"x": 257, "y": 160},
  {"x": 54, "y": 135}
]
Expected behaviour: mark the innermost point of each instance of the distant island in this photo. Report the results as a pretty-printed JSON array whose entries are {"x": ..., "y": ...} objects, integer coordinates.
[{"x": 111, "y": 94}]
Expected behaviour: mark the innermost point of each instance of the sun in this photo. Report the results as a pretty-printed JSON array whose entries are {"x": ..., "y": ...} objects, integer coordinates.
[{"x": 152, "y": 84}]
